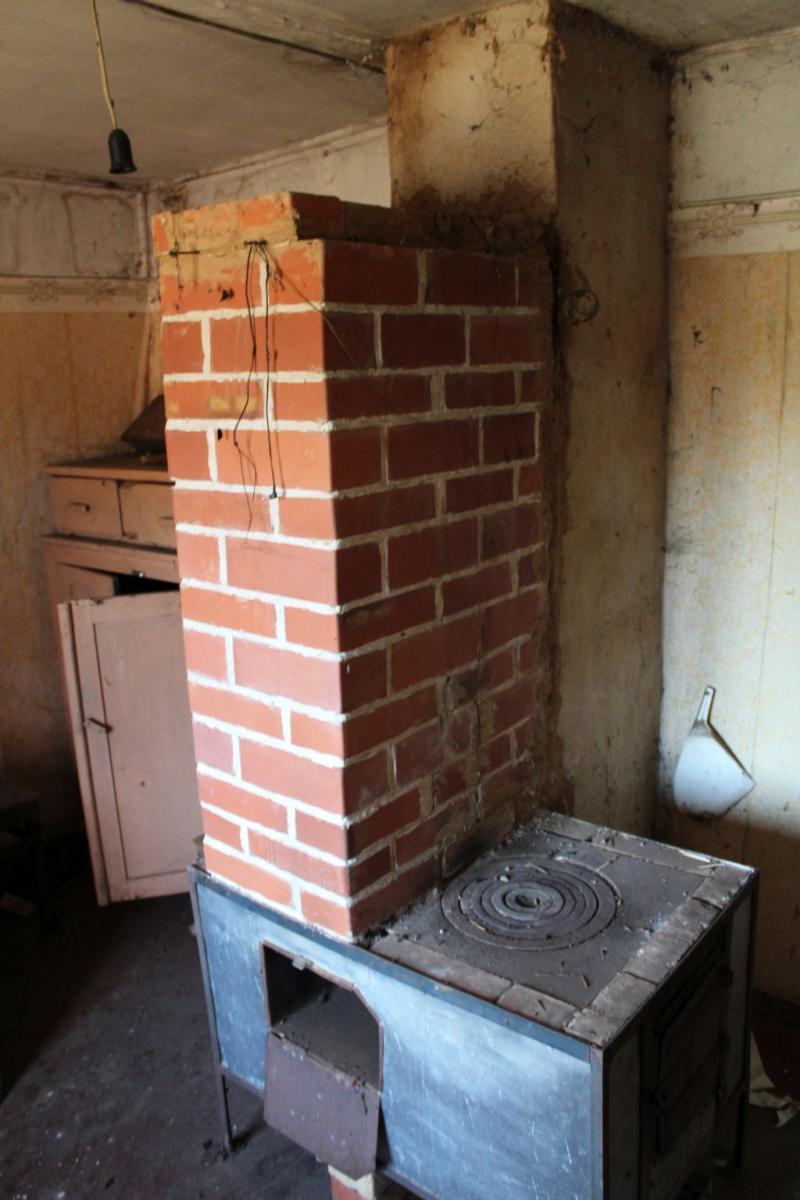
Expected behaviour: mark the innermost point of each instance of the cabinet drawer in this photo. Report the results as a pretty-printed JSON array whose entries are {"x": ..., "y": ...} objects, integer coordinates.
[
  {"x": 87, "y": 506},
  {"x": 146, "y": 510}
]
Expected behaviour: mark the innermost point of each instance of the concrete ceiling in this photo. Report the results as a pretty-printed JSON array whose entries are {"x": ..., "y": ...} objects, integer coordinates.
[
  {"x": 682, "y": 24},
  {"x": 198, "y": 83}
]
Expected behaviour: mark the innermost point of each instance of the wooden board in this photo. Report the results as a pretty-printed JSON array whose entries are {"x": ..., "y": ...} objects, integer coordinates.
[
  {"x": 146, "y": 510},
  {"x": 137, "y": 729},
  {"x": 118, "y": 466},
  {"x": 85, "y": 506}
]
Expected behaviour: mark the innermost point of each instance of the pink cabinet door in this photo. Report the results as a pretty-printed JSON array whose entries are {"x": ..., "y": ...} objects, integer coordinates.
[{"x": 129, "y": 712}]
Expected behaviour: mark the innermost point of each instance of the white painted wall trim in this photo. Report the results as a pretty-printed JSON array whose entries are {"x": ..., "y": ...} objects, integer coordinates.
[{"x": 761, "y": 225}]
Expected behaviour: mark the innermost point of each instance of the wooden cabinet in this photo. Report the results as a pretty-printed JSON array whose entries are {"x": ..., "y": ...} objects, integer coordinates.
[{"x": 113, "y": 584}]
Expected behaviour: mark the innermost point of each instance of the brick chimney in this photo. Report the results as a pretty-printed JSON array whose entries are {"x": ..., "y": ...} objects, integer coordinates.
[{"x": 354, "y": 424}]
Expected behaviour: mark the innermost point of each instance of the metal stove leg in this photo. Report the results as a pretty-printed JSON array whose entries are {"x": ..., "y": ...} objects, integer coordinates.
[{"x": 220, "y": 1082}]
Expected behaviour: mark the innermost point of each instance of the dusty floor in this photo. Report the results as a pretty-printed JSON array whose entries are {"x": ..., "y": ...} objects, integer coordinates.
[{"x": 104, "y": 1054}]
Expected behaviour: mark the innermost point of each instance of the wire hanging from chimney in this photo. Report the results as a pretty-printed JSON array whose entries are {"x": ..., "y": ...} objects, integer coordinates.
[{"x": 119, "y": 146}]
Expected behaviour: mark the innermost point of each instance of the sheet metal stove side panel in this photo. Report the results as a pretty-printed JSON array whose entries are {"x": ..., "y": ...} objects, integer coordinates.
[{"x": 470, "y": 1107}]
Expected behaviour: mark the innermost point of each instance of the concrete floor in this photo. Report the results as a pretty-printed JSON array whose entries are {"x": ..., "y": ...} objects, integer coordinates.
[{"x": 105, "y": 1061}]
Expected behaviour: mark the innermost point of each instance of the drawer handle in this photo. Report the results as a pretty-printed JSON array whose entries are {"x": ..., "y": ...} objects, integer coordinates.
[
  {"x": 165, "y": 520},
  {"x": 79, "y": 504}
]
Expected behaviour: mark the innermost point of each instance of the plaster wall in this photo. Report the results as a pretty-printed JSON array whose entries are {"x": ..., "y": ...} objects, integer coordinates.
[
  {"x": 352, "y": 164},
  {"x": 612, "y": 155},
  {"x": 78, "y": 348},
  {"x": 732, "y": 563},
  {"x": 470, "y": 114}
]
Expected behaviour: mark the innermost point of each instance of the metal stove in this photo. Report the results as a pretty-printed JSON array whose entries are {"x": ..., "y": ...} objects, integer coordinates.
[{"x": 567, "y": 1019}]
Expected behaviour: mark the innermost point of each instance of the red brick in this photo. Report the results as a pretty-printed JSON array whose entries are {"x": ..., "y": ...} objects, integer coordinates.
[
  {"x": 306, "y": 401},
  {"x": 482, "y": 389},
  {"x": 328, "y": 836},
  {"x": 278, "y": 672},
  {"x": 364, "y": 679},
  {"x": 326, "y": 914},
  {"x": 365, "y": 274},
  {"x": 331, "y": 876},
  {"x": 395, "y": 896},
  {"x": 349, "y": 342},
  {"x": 446, "y": 820},
  {"x": 220, "y": 830},
  {"x": 378, "y": 396},
  {"x": 508, "y": 707},
  {"x": 298, "y": 341},
  {"x": 530, "y": 479},
  {"x": 198, "y": 556},
  {"x": 199, "y": 282},
  {"x": 479, "y": 491},
  {"x": 431, "y": 447},
  {"x": 213, "y": 747},
  {"x": 304, "y": 572},
  {"x": 429, "y": 749},
  {"x": 187, "y": 454},
  {"x": 497, "y": 752},
  {"x": 314, "y": 734},
  {"x": 535, "y": 286},
  {"x": 511, "y": 529},
  {"x": 489, "y": 673},
  {"x": 537, "y": 387},
  {"x": 389, "y": 819},
  {"x": 458, "y": 277},
  {"x": 432, "y": 552},
  {"x": 295, "y": 274},
  {"x": 532, "y": 568},
  {"x": 245, "y": 875},
  {"x": 291, "y": 775},
  {"x": 479, "y": 587},
  {"x": 213, "y": 399},
  {"x": 422, "y": 340},
  {"x": 364, "y": 782},
  {"x": 312, "y": 460},
  {"x": 317, "y": 216},
  {"x": 307, "y": 518},
  {"x": 529, "y": 654},
  {"x": 434, "y": 652},
  {"x": 340, "y": 399},
  {"x": 509, "y": 339},
  {"x": 234, "y": 709},
  {"x": 509, "y": 437},
  {"x": 390, "y": 720},
  {"x": 181, "y": 347},
  {"x": 240, "y": 803},
  {"x": 205, "y": 654},
  {"x": 384, "y": 510},
  {"x": 384, "y": 618},
  {"x": 222, "y": 510},
  {"x": 228, "y": 612},
  {"x": 318, "y": 631},
  {"x": 452, "y": 781},
  {"x": 507, "y": 620}
]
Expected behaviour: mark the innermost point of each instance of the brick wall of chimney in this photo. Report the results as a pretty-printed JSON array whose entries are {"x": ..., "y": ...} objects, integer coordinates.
[{"x": 363, "y": 638}]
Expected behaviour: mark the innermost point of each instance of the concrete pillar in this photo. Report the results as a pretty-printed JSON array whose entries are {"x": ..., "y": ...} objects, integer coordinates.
[{"x": 535, "y": 114}]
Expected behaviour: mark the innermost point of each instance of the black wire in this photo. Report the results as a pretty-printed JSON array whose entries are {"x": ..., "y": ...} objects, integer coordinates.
[{"x": 244, "y": 455}]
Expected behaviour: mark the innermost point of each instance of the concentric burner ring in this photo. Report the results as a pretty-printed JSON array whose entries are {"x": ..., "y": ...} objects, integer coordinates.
[{"x": 530, "y": 903}]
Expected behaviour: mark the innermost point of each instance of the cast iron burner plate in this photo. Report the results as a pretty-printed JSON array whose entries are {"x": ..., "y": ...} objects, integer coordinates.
[
  {"x": 555, "y": 912},
  {"x": 530, "y": 903}
]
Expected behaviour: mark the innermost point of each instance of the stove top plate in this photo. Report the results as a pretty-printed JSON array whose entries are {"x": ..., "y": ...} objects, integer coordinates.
[{"x": 561, "y": 907}]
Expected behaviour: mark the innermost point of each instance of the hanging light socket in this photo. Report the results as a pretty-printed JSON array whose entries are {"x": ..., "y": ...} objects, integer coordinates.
[
  {"x": 119, "y": 149},
  {"x": 119, "y": 144}
]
